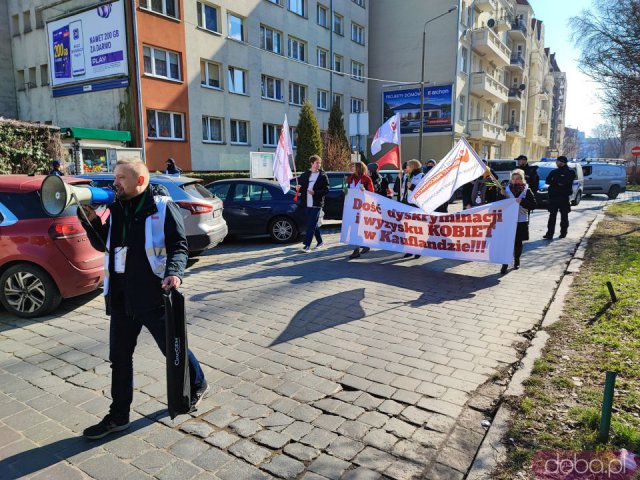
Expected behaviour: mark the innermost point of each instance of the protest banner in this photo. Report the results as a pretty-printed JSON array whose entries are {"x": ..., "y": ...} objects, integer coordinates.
[{"x": 480, "y": 234}]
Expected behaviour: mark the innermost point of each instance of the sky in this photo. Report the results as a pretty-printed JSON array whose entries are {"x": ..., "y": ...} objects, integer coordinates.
[{"x": 583, "y": 107}]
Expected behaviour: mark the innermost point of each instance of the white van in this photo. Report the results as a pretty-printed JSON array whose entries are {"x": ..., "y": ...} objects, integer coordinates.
[{"x": 604, "y": 178}]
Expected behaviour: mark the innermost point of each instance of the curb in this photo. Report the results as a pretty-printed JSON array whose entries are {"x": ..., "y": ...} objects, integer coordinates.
[{"x": 492, "y": 450}]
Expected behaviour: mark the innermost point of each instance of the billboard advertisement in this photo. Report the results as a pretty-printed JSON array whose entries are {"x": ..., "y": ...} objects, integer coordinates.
[
  {"x": 88, "y": 46},
  {"x": 437, "y": 108}
]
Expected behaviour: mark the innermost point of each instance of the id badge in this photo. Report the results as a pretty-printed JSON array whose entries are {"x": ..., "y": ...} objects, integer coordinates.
[{"x": 120, "y": 259}]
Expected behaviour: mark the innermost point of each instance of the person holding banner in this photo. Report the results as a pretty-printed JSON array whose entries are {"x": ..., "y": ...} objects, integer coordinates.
[
  {"x": 359, "y": 180},
  {"x": 313, "y": 186},
  {"x": 519, "y": 190},
  {"x": 137, "y": 270}
]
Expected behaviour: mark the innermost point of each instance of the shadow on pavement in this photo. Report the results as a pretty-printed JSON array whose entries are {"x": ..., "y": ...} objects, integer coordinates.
[{"x": 31, "y": 461}]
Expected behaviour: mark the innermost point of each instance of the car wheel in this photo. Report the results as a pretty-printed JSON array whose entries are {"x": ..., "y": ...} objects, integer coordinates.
[
  {"x": 28, "y": 291},
  {"x": 283, "y": 230},
  {"x": 614, "y": 191},
  {"x": 576, "y": 201}
]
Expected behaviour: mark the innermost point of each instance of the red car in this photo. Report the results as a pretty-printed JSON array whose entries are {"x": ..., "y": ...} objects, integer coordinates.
[{"x": 42, "y": 259}]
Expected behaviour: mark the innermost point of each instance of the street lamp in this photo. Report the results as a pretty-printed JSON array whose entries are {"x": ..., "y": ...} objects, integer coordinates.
[{"x": 424, "y": 46}]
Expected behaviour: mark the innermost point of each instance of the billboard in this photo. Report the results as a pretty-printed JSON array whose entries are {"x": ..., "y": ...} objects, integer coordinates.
[
  {"x": 88, "y": 46},
  {"x": 437, "y": 108}
]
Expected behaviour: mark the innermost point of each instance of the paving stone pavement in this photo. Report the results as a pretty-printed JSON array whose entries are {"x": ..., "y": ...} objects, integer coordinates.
[{"x": 320, "y": 367}]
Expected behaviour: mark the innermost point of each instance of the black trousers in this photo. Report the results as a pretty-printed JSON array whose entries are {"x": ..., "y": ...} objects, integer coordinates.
[{"x": 554, "y": 208}]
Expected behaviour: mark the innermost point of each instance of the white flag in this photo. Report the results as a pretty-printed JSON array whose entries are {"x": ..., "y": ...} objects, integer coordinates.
[
  {"x": 389, "y": 132},
  {"x": 281, "y": 166},
  {"x": 461, "y": 165}
]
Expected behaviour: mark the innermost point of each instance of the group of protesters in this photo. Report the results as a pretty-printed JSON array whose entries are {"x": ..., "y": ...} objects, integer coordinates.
[{"x": 522, "y": 186}]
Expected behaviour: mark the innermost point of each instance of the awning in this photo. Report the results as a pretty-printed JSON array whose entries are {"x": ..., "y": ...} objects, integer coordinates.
[{"x": 96, "y": 134}]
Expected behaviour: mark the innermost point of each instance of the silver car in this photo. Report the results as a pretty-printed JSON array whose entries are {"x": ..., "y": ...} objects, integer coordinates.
[
  {"x": 201, "y": 211},
  {"x": 609, "y": 179}
]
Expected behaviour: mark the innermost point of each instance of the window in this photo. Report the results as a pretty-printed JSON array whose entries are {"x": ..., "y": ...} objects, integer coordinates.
[
  {"x": 338, "y": 24},
  {"x": 26, "y": 17},
  {"x": 359, "y": 2},
  {"x": 236, "y": 27},
  {"x": 277, "y": 2},
  {"x": 297, "y": 49},
  {"x": 357, "y": 105},
  {"x": 297, "y": 93},
  {"x": 337, "y": 98},
  {"x": 239, "y": 132},
  {"x": 322, "y": 102},
  {"x": 166, "y": 125},
  {"x": 212, "y": 130},
  {"x": 44, "y": 75},
  {"x": 15, "y": 25},
  {"x": 164, "y": 7},
  {"x": 271, "y": 88},
  {"x": 293, "y": 135},
  {"x": 298, "y": 7},
  {"x": 237, "y": 80},
  {"x": 337, "y": 62},
  {"x": 208, "y": 17},
  {"x": 323, "y": 16},
  {"x": 323, "y": 55},
  {"x": 270, "y": 134},
  {"x": 21, "y": 80},
  {"x": 161, "y": 63},
  {"x": 210, "y": 74},
  {"x": 220, "y": 190},
  {"x": 270, "y": 40},
  {"x": 39, "y": 20},
  {"x": 464, "y": 60},
  {"x": 357, "y": 70},
  {"x": 246, "y": 192},
  {"x": 32, "y": 81},
  {"x": 461, "y": 106},
  {"x": 357, "y": 33}
]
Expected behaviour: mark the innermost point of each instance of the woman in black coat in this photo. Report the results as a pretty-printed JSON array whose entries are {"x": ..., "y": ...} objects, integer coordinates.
[{"x": 519, "y": 190}]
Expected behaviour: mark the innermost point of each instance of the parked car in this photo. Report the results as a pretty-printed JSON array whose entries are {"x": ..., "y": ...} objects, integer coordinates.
[
  {"x": 503, "y": 169},
  {"x": 43, "y": 259},
  {"x": 202, "y": 212},
  {"x": 258, "y": 207},
  {"x": 609, "y": 179},
  {"x": 544, "y": 168}
]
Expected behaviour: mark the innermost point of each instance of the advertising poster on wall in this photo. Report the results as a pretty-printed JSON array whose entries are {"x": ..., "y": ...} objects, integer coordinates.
[
  {"x": 88, "y": 46},
  {"x": 437, "y": 108}
]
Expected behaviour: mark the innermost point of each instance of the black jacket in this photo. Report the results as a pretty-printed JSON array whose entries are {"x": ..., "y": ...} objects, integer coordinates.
[
  {"x": 320, "y": 188},
  {"x": 560, "y": 183},
  {"x": 531, "y": 177},
  {"x": 138, "y": 289}
]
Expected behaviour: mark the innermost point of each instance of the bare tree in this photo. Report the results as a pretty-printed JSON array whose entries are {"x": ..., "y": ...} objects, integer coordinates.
[
  {"x": 335, "y": 153},
  {"x": 608, "y": 140},
  {"x": 610, "y": 54}
]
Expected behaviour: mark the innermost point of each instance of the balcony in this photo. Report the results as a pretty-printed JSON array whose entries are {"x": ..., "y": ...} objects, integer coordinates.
[
  {"x": 503, "y": 25},
  {"x": 485, "y": 86},
  {"x": 518, "y": 32},
  {"x": 514, "y": 129},
  {"x": 487, "y": 43},
  {"x": 486, "y": 5},
  {"x": 516, "y": 63},
  {"x": 515, "y": 95},
  {"x": 485, "y": 130}
]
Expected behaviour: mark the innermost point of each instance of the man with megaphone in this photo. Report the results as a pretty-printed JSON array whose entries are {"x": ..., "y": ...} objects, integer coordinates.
[{"x": 145, "y": 254}]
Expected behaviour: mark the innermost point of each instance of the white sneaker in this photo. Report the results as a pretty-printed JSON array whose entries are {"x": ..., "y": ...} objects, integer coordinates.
[
  {"x": 320, "y": 245},
  {"x": 306, "y": 249}
]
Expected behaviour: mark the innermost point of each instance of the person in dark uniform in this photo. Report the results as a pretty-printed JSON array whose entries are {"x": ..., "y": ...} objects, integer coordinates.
[
  {"x": 55, "y": 168},
  {"x": 560, "y": 183},
  {"x": 530, "y": 173}
]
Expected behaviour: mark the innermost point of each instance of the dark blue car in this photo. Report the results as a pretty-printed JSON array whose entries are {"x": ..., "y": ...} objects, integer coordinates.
[{"x": 258, "y": 207}]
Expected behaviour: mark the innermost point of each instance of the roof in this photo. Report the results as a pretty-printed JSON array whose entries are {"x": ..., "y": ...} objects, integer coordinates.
[
  {"x": 153, "y": 178},
  {"x": 29, "y": 183},
  {"x": 257, "y": 181},
  {"x": 97, "y": 134},
  {"x": 523, "y": 2}
]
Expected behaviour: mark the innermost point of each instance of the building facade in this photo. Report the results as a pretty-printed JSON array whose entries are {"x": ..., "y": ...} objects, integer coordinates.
[
  {"x": 491, "y": 52},
  {"x": 558, "y": 112}
]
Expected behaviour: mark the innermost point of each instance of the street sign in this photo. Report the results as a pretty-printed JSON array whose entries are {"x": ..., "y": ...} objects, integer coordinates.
[{"x": 635, "y": 151}]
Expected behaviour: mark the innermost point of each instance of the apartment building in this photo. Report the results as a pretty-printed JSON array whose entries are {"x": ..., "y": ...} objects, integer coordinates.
[
  {"x": 492, "y": 55},
  {"x": 250, "y": 62},
  {"x": 558, "y": 109}
]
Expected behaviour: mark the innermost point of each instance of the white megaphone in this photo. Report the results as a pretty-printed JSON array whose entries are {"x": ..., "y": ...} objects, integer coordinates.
[{"x": 56, "y": 195}]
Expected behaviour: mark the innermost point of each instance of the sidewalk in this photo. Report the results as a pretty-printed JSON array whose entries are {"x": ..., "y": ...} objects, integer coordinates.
[{"x": 320, "y": 367}]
